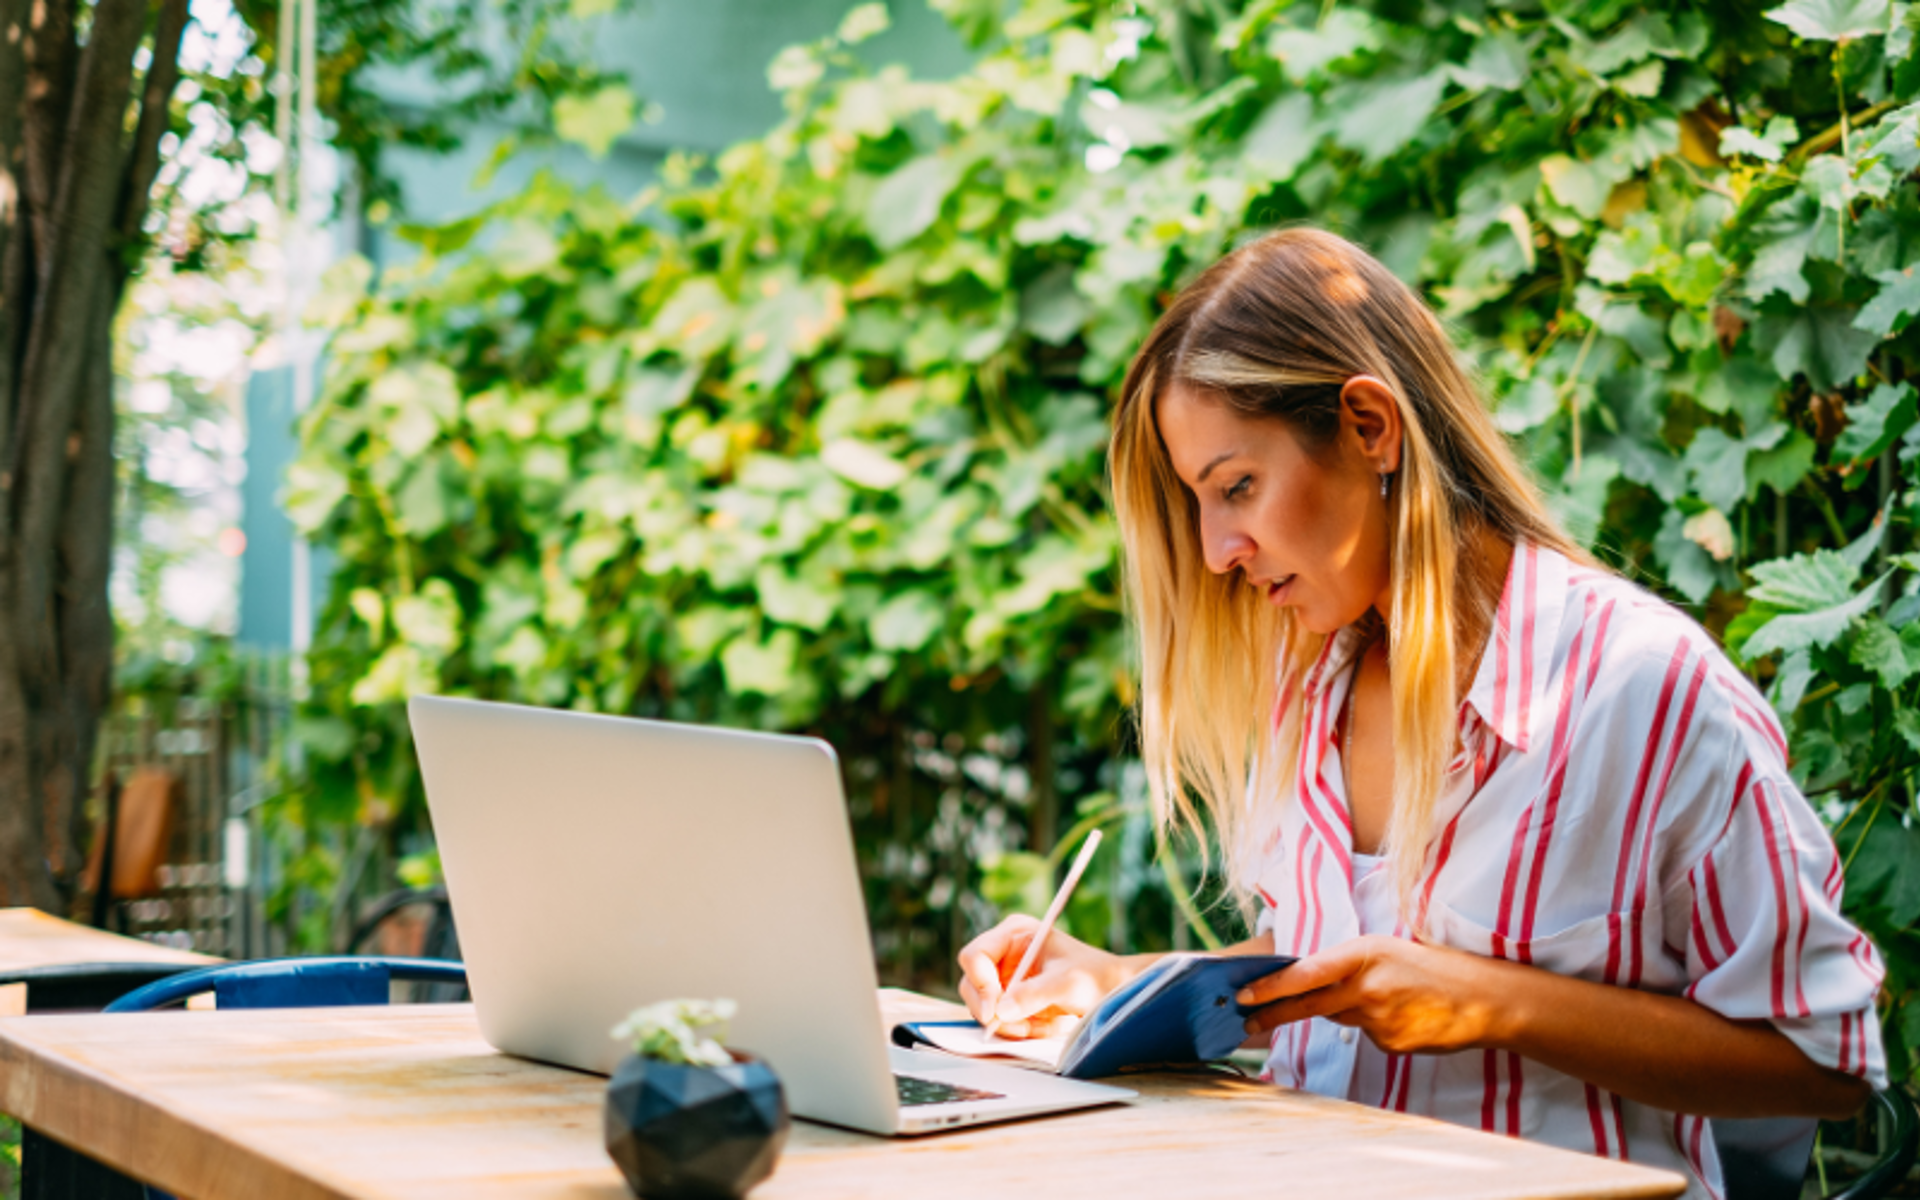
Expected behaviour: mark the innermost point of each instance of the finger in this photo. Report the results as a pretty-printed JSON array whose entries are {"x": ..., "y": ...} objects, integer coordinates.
[
  {"x": 990, "y": 958},
  {"x": 979, "y": 983},
  {"x": 1310, "y": 974},
  {"x": 1069, "y": 990},
  {"x": 1061, "y": 1025},
  {"x": 977, "y": 1007},
  {"x": 1046, "y": 1024},
  {"x": 1330, "y": 1002},
  {"x": 983, "y": 964}
]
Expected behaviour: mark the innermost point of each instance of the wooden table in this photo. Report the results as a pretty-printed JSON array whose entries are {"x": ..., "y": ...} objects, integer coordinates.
[
  {"x": 410, "y": 1102},
  {"x": 66, "y": 965},
  {"x": 30, "y": 938}
]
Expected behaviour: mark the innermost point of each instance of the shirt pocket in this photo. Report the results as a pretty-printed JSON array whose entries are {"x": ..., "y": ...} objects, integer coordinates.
[{"x": 1582, "y": 950}]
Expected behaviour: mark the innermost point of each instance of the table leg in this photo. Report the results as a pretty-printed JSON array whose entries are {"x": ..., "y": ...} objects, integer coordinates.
[{"x": 51, "y": 1171}]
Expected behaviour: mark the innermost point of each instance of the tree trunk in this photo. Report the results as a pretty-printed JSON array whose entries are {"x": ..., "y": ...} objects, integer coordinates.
[{"x": 73, "y": 198}]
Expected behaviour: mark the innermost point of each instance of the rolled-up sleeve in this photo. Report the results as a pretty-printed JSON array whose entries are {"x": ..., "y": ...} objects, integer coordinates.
[{"x": 1767, "y": 940}]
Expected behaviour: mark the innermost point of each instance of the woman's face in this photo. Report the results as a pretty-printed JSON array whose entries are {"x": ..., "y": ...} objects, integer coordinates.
[{"x": 1309, "y": 529}]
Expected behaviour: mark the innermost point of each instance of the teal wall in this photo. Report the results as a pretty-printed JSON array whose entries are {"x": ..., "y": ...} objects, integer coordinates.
[{"x": 705, "y": 63}]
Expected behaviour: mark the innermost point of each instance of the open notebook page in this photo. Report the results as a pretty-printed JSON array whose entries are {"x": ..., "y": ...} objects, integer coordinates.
[{"x": 975, "y": 1042}]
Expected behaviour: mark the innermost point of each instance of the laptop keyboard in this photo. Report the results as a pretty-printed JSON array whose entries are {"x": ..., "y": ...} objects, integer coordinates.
[{"x": 914, "y": 1091}]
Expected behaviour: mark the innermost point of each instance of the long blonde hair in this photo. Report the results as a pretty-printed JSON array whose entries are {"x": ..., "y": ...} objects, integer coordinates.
[{"x": 1274, "y": 330}]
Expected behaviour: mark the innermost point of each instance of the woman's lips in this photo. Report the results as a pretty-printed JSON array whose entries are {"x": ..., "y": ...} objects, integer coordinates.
[{"x": 1278, "y": 589}]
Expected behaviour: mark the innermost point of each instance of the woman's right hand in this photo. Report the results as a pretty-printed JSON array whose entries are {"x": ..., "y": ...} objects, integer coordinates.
[{"x": 1063, "y": 985}]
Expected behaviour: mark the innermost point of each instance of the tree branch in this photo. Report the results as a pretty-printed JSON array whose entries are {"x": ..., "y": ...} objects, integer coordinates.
[
  {"x": 13, "y": 66},
  {"x": 17, "y": 286},
  {"x": 59, "y": 340},
  {"x": 84, "y": 615},
  {"x": 51, "y": 55},
  {"x": 24, "y": 878},
  {"x": 156, "y": 113}
]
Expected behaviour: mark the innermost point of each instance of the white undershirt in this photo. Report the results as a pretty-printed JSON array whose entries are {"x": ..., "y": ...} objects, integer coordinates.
[{"x": 1378, "y": 909}]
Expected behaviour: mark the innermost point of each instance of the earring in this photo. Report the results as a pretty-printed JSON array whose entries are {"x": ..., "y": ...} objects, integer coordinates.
[{"x": 1385, "y": 478}]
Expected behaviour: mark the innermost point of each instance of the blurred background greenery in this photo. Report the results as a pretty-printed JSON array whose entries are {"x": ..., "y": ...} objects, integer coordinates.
[{"x": 804, "y": 429}]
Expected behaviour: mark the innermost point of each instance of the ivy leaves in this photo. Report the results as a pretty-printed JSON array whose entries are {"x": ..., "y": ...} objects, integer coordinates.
[
  {"x": 1815, "y": 597},
  {"x": 812, "y": 435},
  {"x": 907, "y": 200},
  {"x": 596, "y": 120},
  {"x": 1875, "y": 424},
  {"x": 1897, "y": 300},
  {"x": 1833, "y": 20}
]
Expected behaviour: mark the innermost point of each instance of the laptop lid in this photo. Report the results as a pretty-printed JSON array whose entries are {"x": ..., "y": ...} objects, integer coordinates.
[{"x": 595, "y": 864}]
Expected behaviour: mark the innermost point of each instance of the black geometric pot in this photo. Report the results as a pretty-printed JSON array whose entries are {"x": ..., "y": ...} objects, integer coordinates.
[{"x": 685, "y": 1131}]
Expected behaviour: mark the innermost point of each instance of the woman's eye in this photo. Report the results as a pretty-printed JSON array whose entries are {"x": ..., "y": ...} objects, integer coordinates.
[{"x": 1240, "y": 487}]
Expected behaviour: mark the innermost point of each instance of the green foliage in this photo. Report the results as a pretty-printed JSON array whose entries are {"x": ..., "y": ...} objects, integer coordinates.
[
  {"x": 197, "y": 307},
  {"x": 528, "y": 64},
  {"x": 810, "y": 437}
]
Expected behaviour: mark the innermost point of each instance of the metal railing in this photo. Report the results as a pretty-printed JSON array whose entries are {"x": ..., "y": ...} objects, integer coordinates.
[{"x": 224, "y": 749}]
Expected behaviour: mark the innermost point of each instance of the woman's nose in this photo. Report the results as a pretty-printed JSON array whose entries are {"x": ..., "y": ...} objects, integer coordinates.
[{"x": 1226, "y": 549}]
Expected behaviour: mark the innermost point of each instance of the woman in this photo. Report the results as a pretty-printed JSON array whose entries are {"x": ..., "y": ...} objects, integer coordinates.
[{"x": 1527, "y": 829}]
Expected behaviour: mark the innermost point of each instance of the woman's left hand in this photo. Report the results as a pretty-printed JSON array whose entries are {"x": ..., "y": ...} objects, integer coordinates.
[
  {"x": 1407, "y": 997},
  {"x": 1665, "y": 1051}
]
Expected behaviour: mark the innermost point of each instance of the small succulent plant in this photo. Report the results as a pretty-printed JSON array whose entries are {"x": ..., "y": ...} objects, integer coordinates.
[{"x": 679, "y": 1031}]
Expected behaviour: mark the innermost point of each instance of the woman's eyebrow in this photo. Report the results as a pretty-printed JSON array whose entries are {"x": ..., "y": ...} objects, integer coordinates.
[{"x": 1208, "y": 469}]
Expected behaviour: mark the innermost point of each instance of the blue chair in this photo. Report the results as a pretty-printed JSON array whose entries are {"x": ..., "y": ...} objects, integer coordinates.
[
  {"x": 86, "y": 986},
  {"x": 51, "y": 1171},
  {"x": 292, "y": 983},
  {"x": 1767, "y": 1159}
]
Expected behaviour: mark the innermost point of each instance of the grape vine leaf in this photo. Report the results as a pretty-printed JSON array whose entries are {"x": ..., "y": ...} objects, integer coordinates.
[
  {"x": 1718, "y": 464},
  {"x": 1778, "y": 264},
  {"x": 1880, "y": 874},
  {"x": 1898, "y": 146},
  {"x": 1876, "y": 423},
  {"x": 1498, "y": 60},
  {"x": 862, "y": 22},
  {"x": 1879, "y": 649},
  {"x": 1769, "y": 145},
  {"x": 908, "y": 200},
  {"x": 1784, "y": 466},
  {"x": 765, "y": 667},
  {"x": 596, "y": 121},
  {"x": 1305, "y": 52},
  {"x": 1820, "y": 627},
  {"x": 1051, "y": 308},
  {"x": 1833, "y": 20},
  {"x": 1898, "y": 297},
  {"x": 1284, "y": 136},
  {"x": 1581, "y": 186},
  {"x": 1381, "y": 118},
  {"x": 1820, "y": 342},
  {"x": 1689, "y": 568},
  {"x": 1804, "y": 582},
  {"x": 906, "y": 621}
]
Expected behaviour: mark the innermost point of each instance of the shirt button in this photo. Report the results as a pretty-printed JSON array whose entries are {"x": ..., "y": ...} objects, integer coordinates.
[{"x": 1346, "y": 1035}]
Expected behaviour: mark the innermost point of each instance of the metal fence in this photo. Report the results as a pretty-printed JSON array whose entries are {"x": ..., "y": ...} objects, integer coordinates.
[{"x": 223, "y": 748}]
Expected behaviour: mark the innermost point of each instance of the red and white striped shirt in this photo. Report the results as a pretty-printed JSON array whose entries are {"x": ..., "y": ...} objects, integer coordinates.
[{"x": 1620, "y": 811}]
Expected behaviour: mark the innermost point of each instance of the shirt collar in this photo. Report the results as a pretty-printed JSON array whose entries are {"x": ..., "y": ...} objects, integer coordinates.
[
  {"x": 1510, "y": 687},
  {"x": 1336, "y": 655}
]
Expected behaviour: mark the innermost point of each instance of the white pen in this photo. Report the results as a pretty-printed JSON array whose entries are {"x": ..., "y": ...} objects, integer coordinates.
[{"x": 1046, "y": 923}]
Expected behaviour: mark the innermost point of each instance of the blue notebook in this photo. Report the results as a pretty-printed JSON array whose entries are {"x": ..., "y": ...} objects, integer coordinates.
[{"x": 1181, "y": 1010}]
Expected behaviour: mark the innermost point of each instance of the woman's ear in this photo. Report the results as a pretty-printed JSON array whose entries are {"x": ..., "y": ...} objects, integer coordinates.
[{"x": 1370, "y": 410}]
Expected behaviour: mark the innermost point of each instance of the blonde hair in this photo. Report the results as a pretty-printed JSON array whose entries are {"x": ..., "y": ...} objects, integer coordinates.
[{"x": 1275, "y": 330}]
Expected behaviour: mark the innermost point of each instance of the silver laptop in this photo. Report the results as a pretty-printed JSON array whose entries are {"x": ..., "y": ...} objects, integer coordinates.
[{"x": 596, "y": 864}]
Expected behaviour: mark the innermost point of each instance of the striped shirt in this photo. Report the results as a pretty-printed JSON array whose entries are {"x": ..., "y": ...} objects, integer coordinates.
[{"x": 1620, "y": 810}]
